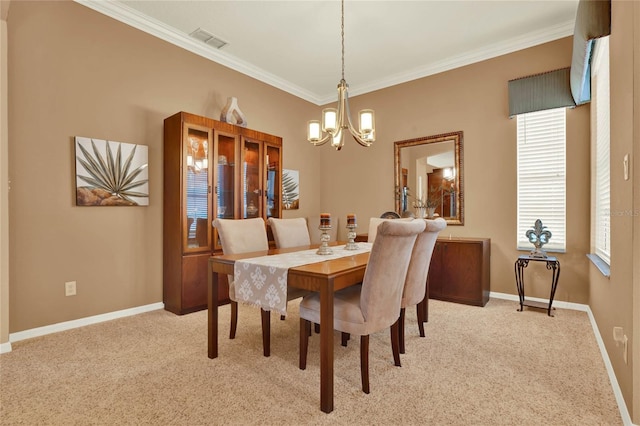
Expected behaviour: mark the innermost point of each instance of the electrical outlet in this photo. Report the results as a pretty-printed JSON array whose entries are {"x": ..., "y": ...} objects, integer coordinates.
[{"x": 70, "y": 288}]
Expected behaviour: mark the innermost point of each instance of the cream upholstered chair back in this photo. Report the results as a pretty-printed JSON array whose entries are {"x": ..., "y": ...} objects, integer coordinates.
[
  {"x": 384, "y": 278},
  {"x": 290, "y": 232},
  {"x": 363, "y": 310},
  {"x": 416, "y": 282},
  {"x": 313, "y": 223},
  {"x": 241, "y": 236},
  {"x": 374, "y": 222}
]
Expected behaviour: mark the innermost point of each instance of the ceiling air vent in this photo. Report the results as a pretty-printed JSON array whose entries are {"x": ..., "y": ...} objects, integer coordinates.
[{"x": 208, "y": 38}]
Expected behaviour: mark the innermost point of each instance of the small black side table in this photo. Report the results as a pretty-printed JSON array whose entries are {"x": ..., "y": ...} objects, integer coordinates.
[{"x": 553, "y": 264}]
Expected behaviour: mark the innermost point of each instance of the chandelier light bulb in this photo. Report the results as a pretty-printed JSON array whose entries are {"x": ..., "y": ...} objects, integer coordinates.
[{"x": 313, "y": 131}]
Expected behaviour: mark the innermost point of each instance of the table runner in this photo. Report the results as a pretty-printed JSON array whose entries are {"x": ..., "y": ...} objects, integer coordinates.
[{"x": 262, "y": 281}]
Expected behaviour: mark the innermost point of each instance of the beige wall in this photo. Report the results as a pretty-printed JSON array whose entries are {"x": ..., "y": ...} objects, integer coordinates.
[
  {"x": 88, "y": 75},
  {"x": 473, "y": 99},
  {"x": 611, "y": 299},
  {"x": 4, "y": 180},
  {"x": 634, "y": 344}
]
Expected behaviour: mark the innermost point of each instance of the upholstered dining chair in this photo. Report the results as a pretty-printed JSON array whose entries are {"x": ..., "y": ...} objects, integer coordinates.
[
  {"x": 244, "y": 236},
  {"x": 375, "y": 305},
  {"x": 290, "y": 232},
  {"x": 374, "y": 222},
  {"x": 415, "y": 284}
]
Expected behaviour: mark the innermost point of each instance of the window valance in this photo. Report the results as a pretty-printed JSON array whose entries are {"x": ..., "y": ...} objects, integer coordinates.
[
  {"x": 566, "y": 87},
  {"x": 542, "y": 91}
]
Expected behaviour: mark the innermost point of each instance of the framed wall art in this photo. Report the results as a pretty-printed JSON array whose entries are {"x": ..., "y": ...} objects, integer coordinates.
[
  {"x": 111, "y": 173},
  {"x": 290, "y": 189}
]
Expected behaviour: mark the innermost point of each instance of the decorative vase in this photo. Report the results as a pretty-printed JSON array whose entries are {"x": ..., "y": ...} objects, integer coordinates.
[
  {"x": 430, "y": 212},
  {"x": 420, "y": 212},
  {"x": 231, "y": 113}
]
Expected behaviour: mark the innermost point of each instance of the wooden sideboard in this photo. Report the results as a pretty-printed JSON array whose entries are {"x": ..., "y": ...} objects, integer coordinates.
[{"x": 460, "y": 270}]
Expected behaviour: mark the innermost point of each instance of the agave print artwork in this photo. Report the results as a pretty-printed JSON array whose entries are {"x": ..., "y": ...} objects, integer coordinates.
[
  {"x": 290, "y": 189},
  {"x": 111, "y": 173}
]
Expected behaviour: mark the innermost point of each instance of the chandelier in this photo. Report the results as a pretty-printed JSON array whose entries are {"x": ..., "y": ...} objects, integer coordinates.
[{"x": 335, "y": 124}]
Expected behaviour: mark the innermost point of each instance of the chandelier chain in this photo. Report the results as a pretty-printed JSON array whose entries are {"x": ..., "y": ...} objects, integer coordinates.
[{"x": 342, "y": 35}]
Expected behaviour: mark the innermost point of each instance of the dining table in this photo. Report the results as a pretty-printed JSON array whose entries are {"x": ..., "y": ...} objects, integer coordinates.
[{"x": 323, "y": 276}]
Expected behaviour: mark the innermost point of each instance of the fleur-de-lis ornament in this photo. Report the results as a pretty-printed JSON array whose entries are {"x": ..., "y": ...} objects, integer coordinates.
[{"x": 538, "y": 236}]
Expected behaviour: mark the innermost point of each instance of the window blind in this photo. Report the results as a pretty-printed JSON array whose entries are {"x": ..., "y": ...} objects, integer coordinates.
[
  {"x": 542, "y": 176},
  {"x": 197, "y": 198},
  {"x": 602, "y": 186}
]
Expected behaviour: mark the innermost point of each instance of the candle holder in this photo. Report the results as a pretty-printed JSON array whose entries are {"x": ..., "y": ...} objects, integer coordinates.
[
  {"x": 351, "y": 237},
  {"x": 324, "y": 240}
]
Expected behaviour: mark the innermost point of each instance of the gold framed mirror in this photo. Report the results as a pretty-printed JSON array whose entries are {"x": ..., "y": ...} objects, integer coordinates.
[{"x": 429, "y": 172}]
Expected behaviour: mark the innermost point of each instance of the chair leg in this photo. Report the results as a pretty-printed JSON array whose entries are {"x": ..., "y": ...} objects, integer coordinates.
[
  {"x": 234, "y": 320},
  {"x": 395, "y": 347},
  {"x": 316, "y": 328},
  {"x": 364, "y": 363},
  {"x": 305, "y": 331},
  {"x": 282, "y": 317},
  {"x": 421, "y": 320},
  {"x": 401, "y": 330},
  {"x": 345, "y": 338},
  {"x": 266, "y": 332}
]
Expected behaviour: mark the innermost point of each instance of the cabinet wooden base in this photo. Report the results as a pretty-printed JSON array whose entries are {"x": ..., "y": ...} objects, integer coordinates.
[{"x": 460, "y": 271}]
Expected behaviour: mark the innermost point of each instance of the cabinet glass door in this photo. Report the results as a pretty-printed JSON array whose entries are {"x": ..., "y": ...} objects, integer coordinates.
[
  {"x": 251, "y": 179},
  {"x": 197, "y": 191},
  {"x": 225, "y": 178},
  {"x": 273, "y": 185}
]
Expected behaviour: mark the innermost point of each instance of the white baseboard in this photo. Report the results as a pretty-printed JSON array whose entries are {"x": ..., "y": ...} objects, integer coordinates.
[
  {"x": 622, "y": 406},
  {"x": 556, "y": 303},
  {"x": 5, "y": 347},
  {"x": 68, "y": 325}
]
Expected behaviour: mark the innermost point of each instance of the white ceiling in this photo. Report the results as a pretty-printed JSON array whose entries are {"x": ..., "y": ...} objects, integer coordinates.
[{"x": 295, "y": 45}]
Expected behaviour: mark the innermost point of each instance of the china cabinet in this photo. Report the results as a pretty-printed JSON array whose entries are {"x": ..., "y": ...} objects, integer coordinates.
[{"x": 211, "y": 169}]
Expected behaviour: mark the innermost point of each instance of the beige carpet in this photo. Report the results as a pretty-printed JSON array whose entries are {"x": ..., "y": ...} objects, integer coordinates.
[{"x": 477, "y": 366}]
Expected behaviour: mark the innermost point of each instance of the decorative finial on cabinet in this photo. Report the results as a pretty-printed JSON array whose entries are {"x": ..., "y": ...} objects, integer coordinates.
[{"x": 231, "y": 113}]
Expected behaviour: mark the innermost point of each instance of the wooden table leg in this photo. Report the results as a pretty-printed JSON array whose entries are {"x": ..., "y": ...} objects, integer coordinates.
[
  {"x": 326, "y": 348},
  {"x": 212, "y": 303}
]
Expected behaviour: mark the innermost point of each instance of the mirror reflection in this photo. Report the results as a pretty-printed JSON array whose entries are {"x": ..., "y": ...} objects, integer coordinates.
[{"x": 429, "y": 176}]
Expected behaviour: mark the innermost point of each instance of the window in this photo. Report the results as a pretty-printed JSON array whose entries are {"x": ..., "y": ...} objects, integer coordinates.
[
  {"x": 542, "y": 176},
  {"x": 601, "y": 221}
]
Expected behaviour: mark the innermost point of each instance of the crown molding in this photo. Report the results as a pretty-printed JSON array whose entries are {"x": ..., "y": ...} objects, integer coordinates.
[
  {"x": 135, "y": 19},
  {"x": 492, "y": 51}
]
